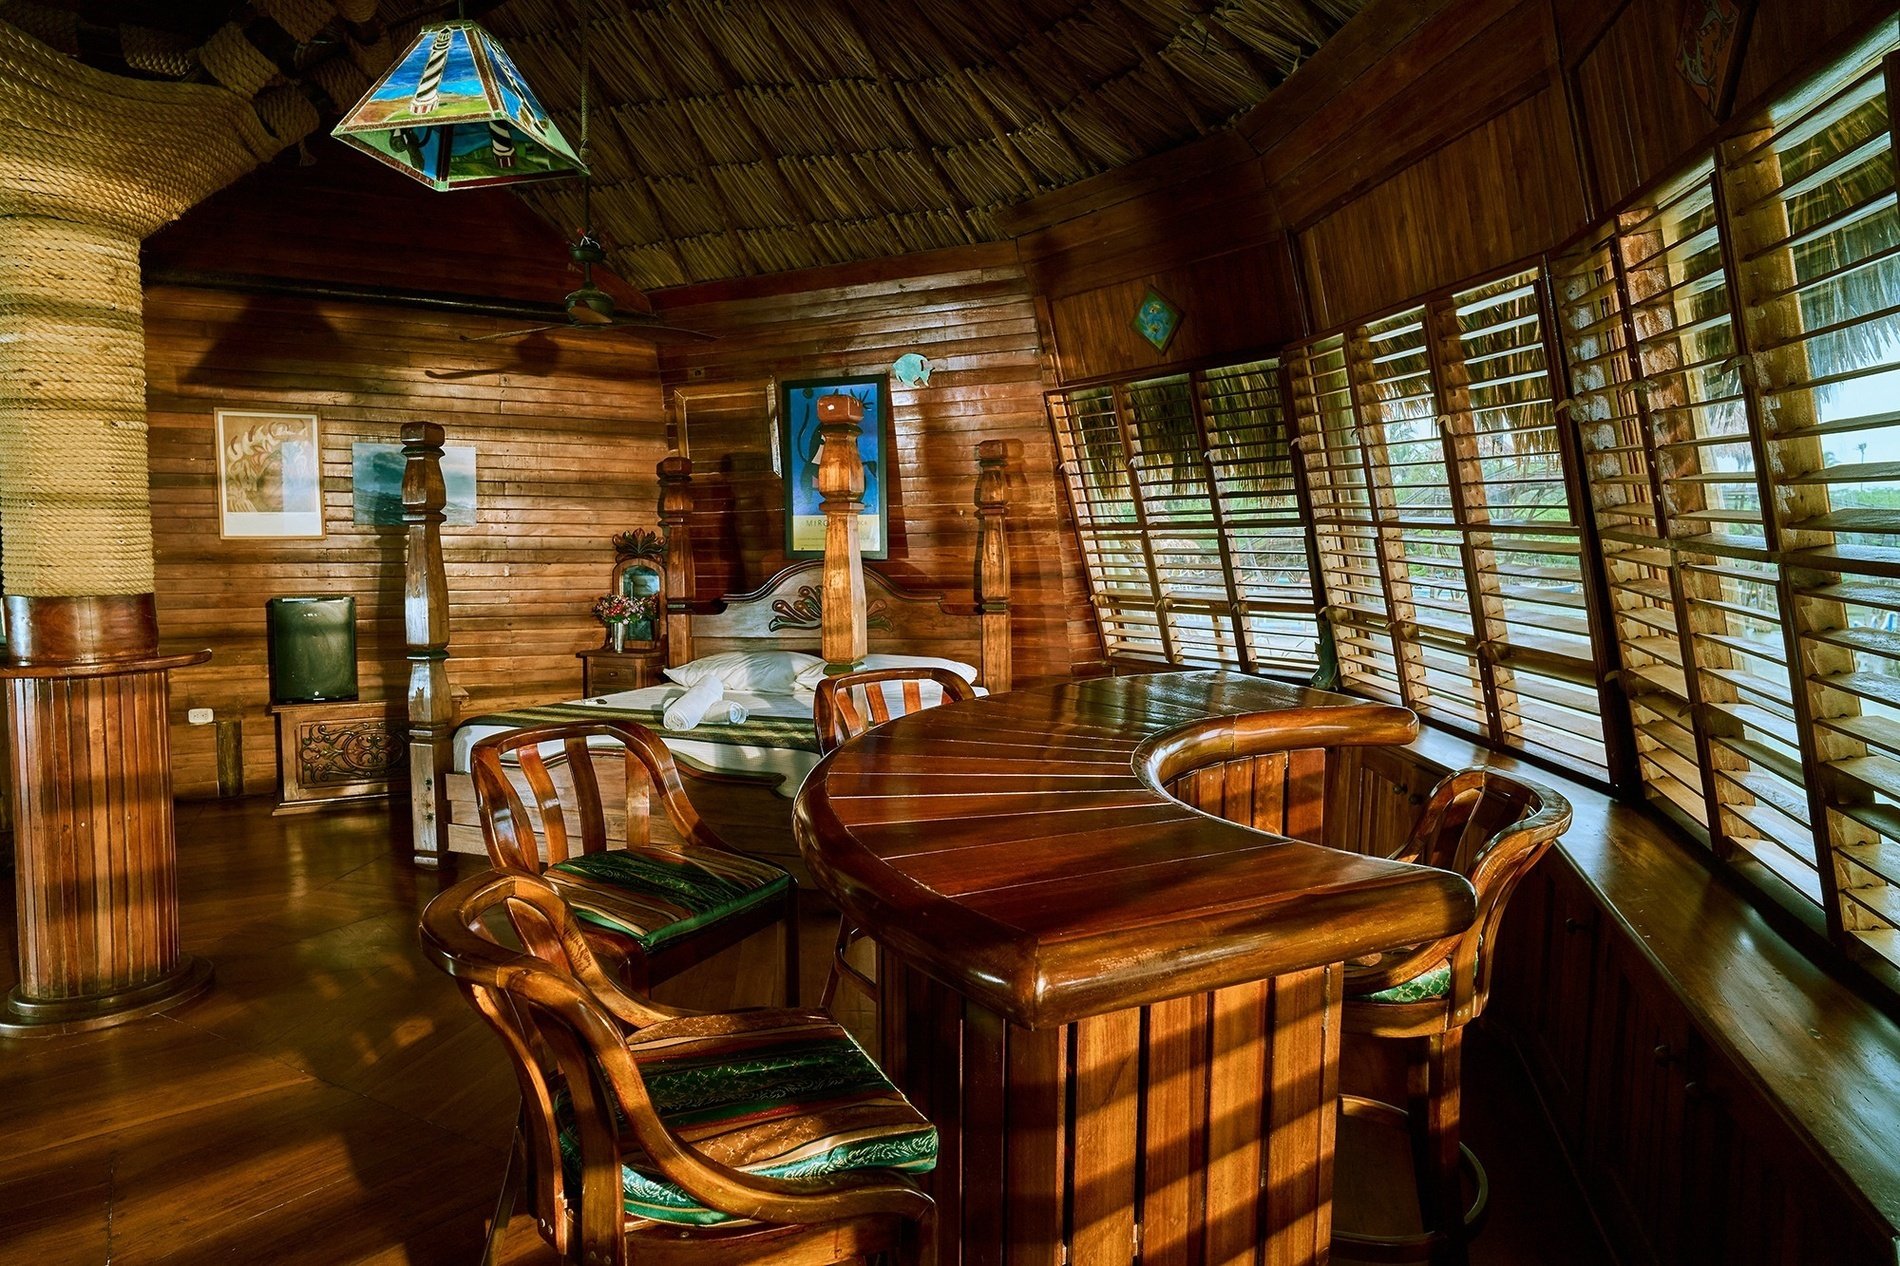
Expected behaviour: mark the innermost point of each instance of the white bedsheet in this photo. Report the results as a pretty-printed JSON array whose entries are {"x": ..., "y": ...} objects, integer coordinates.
[{"x": 790, "y": 765}]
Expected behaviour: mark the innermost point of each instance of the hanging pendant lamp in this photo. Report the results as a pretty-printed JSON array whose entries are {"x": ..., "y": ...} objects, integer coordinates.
[{"x": 455, "y": 113}]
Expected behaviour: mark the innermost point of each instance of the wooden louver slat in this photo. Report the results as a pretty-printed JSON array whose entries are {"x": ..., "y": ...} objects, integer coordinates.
[{"x": 1186, "y": 510}]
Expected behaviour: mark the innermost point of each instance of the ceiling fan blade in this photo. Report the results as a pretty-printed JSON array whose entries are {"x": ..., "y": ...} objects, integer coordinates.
[
  {"x": 663, "y": 331},
  {"x": 490, "y": 338}
]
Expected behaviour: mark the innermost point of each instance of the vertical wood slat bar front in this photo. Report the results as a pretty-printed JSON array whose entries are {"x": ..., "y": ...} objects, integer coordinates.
[{"x": 1195, "y": 1130}]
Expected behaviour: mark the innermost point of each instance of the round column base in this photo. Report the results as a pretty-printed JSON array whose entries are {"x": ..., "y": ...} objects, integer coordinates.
[{"x": 27, "y": 1017}]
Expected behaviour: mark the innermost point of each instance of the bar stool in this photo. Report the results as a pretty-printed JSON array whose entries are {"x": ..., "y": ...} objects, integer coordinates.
[
  {"x": 844, "y": 707},
  {"x": 652, "y": 1134},
  {"x": 658, "y": 907},
  {"x": 1491, "y": 828}
]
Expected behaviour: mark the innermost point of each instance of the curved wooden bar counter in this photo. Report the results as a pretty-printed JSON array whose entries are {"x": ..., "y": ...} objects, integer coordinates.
[{"x": 1121, "y": 1011}]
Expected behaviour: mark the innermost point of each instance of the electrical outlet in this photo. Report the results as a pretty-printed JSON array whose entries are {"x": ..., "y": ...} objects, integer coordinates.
[{"x": 199, "y": 716}]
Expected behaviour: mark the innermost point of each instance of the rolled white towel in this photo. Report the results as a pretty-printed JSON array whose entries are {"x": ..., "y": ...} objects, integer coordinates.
[
  {"x": 689, "y": 709},
  {"x": 727, "y": 712}
]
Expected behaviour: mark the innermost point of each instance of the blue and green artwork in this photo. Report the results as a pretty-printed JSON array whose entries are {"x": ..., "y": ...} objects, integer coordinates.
[
  {"x": 1156, "y": 320},
  {"x": 799, "y": 442}
]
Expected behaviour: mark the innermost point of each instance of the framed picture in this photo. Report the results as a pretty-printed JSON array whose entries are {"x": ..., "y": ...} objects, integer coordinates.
[
  {"x": 376, "y": 483},
  {"x": 270, "y": 474},
  {"x": 799, "y": 444}
]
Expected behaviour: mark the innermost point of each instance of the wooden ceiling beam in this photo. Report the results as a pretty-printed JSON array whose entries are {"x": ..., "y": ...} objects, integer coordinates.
[
  {"x": 730, "y": 82},
  {"x": 1118, "y": 18}
]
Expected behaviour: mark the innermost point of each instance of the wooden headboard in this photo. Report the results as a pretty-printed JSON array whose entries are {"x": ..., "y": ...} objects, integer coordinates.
[
  {"x": 787, "y": 613},
  {"x": 832, "y": 606},
  {"x": 837, "y": 602}
]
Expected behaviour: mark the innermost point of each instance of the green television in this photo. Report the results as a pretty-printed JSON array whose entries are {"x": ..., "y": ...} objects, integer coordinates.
[{"x": 312, "y": 649}]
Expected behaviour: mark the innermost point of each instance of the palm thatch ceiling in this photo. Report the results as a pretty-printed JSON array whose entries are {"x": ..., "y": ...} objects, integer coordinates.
[{"x": 735, "y": 137}]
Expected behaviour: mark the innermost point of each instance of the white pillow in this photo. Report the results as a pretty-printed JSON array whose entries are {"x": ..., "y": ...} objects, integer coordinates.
[
  {"x": 810, "y": 677},
  {"x": 759, "y": 672}
]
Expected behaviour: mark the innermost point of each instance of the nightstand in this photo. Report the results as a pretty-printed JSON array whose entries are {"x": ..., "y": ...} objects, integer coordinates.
[{"x": 605, "y": 672}]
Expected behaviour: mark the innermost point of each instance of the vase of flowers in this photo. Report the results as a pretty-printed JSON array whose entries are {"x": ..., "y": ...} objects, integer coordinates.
[
  {"x": 614, "y": 611},
  {"x": 628, "y": 619}
]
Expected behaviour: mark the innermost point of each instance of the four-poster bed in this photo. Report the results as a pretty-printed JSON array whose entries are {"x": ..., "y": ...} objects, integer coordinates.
[{"x": 833, "y": 610}]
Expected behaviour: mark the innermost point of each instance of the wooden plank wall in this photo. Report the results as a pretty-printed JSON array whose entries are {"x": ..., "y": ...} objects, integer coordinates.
[
  {"x": 1430, "y": 142},
  {"x": 969, "y": 311},
  {"x": 566, "y": 427}
]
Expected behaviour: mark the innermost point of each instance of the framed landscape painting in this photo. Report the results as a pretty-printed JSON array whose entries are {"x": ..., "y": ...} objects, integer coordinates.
[
  {"x": 376, "y": 483},
  {"x": 798, "y": 447},
  {"x": 270, "y": 474}
]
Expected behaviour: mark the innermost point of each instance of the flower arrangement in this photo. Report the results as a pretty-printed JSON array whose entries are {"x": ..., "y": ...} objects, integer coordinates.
[
  {"x": 613, "y": 608},
  {"x": 639, "y": 543}
]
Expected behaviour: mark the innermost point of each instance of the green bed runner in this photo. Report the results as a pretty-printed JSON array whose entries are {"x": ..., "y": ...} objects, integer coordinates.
[{"x": 795, "y": 733}]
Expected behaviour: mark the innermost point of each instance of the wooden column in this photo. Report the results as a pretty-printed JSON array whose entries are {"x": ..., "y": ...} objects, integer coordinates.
[
  {"x": 90, "y": 779},
  {"x": 425, "y": 619},
  {"x": 993, "y": 459},
  {"x": 841, "y": 484},
  {"x": 676, "y": 521}
]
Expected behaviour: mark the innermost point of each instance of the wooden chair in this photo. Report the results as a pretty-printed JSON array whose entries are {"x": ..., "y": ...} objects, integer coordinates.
[
  {"x": 652, "y": 1135},
  {"x": 844, "y": 707},
  {"x": 1491, "y": 828},
  {"x": 658, "y": 907}
]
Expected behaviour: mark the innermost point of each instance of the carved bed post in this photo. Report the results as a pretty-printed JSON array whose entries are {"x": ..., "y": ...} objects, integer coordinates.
[
  {"x": 992, "y": 559},
  {"x": 676, "y": 521},
  {"x": 841, "y": 484},
  {"x": 425, "y": 618}
]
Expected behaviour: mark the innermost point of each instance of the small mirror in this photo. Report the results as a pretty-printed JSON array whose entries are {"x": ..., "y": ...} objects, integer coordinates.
[{"x": 639, "y": 579}]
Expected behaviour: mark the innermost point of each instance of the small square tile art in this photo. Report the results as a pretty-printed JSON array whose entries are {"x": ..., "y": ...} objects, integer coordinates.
[{"x": 1156, "y": 320}]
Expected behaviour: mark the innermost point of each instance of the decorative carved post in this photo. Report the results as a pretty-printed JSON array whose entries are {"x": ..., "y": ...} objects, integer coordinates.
[
  {"x": 425, "y": 620},
  {"x": 841, "y": 484},
  {"x": 992, "y": 558},
  {"x": 676, "y": 521}
]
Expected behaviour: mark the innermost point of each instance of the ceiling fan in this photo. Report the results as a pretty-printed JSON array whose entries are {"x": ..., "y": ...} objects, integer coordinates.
[
  {"x": 591, "y": 308},
  {"x": 588, "y": 306}
]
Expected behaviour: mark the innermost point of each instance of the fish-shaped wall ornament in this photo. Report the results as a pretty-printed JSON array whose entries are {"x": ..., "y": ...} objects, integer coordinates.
[{"x": 912, "y": 370}]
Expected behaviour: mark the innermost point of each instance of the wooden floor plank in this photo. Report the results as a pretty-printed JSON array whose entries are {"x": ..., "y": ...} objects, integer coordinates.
[{"x": 334, "y": 1101}]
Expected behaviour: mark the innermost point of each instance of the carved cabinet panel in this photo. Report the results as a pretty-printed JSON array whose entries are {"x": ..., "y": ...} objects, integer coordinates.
[{"x": 333, "y": 752}]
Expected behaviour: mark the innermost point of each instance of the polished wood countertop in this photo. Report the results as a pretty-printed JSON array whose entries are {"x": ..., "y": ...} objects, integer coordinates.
[{"x": 1019, "y": 849}]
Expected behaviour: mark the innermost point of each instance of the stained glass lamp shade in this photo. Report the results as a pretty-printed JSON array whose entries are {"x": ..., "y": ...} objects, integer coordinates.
[{"x": 455, "y": 113}]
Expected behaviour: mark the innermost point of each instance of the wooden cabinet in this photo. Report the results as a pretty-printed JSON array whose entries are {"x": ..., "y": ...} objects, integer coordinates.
[
  {"x": 1687, "y": 1160},
  {"x": 338, "y": 753},
  {"x": 605, "y": 672},
  {"x": 1546, "y": 986}
]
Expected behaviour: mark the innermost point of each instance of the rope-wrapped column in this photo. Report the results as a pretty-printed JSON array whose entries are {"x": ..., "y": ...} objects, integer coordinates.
[{"x": 89, "y": 165}]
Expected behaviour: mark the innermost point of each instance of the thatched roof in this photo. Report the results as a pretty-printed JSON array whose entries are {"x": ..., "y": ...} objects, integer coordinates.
[{"x": 735, "y": 137}]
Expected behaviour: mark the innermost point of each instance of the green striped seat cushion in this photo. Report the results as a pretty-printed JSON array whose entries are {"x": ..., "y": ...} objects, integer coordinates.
[
  {"x": 655, "y": 895},
  {"x": 1435, "y": 983},
  {"x": 785, "y": 1094}
]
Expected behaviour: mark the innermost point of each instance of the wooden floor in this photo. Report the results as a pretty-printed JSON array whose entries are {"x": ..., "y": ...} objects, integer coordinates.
[{"x": 333, "y": 1100}]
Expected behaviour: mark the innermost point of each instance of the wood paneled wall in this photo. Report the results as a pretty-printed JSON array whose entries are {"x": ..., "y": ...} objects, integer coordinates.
[
  {"x": 566, "y": 427},
  {"x": 1443, "y": 212},
  {"x": 1431, "y": 141},
  {"x": 970, "y": 312}
]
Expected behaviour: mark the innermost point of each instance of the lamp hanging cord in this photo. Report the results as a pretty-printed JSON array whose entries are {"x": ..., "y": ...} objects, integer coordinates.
[{"x": 586, "y": 74}]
